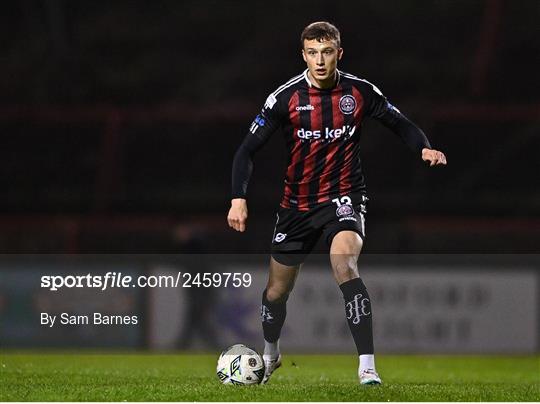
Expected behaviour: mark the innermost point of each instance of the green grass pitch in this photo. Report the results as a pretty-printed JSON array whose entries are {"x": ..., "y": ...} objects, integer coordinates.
[{"x": 188, "y": 377}]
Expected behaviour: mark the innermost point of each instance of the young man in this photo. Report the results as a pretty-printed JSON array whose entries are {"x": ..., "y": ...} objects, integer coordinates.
[{"x": 320, "y": 112}]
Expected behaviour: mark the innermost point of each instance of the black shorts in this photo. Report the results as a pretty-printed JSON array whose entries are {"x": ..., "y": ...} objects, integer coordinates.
[{"x": 297, "y": 232}]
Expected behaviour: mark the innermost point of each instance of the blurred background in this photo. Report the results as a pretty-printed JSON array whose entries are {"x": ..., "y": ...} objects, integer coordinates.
[{"x": 120, "y": 120}]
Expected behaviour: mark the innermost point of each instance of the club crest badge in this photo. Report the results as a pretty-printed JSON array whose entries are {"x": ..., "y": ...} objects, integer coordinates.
[
  {"x": 347, "y": 104},
  {"x": 344, "y": 211}
]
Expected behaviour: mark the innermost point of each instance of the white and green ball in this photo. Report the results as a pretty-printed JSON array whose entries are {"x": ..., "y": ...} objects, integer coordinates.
[{"x": 240, "y": 365}]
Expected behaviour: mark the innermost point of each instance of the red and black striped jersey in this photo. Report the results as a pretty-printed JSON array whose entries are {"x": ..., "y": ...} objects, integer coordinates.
[{"x": 322, "y": 133}]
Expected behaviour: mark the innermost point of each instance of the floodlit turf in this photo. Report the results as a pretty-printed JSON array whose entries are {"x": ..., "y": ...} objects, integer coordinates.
[{"x": 183, "y": 377}]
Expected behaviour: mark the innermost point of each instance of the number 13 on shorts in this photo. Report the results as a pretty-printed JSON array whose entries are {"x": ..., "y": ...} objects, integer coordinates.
[{"x": 344, "y": 200}]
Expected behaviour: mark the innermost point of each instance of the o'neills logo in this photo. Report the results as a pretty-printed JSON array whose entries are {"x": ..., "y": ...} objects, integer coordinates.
[
  {"x": 327, "y": 133},
  {"x": 308, "y": 107}
]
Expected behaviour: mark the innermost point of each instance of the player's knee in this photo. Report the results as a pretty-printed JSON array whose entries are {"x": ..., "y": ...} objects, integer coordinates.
[
  {"x": 345, "y": 270},
  {"x": 277, "y": 294}
]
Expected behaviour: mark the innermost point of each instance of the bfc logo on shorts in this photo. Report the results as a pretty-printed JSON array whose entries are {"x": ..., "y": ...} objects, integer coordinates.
[
  {"x": 357, "y": 308},
  {"x": 344, "y": 210},
  {"x": 280, "y": 237},
  {"x": 347, "y": 104}
]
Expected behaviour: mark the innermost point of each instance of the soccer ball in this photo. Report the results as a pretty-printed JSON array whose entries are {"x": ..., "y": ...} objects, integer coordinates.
[{"x": 240, "y": 365}]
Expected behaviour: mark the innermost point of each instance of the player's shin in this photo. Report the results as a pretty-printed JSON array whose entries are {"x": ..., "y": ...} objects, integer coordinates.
[
  {"x": 272, "y": 317},
  {"x": 358, "y": 313}
]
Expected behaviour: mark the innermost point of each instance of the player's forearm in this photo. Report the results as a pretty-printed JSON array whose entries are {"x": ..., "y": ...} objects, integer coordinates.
[
  {"x": 241, "y": 172},
  {"x": 411, "y": 134}
]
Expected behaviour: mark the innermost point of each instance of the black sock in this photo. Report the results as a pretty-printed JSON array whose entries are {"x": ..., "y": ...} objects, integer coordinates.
[
  {"x": 358, "y": 313},
  {"x": 272, "y": 317}
]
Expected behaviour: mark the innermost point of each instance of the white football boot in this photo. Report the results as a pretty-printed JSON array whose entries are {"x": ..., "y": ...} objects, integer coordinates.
[
  {"x": 269, "y": 366},
  {"x": 369, "y": 377}
]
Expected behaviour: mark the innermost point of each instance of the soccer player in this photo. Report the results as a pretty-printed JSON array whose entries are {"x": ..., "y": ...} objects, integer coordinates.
[{"x": 320, "y": 112}]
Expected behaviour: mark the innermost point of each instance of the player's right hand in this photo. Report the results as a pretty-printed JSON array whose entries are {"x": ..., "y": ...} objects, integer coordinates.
[{"x": 238, "y": 214}]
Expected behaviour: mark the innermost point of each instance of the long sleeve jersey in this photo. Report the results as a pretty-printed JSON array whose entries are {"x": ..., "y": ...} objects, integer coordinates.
[{"x": 322, "y": 132}]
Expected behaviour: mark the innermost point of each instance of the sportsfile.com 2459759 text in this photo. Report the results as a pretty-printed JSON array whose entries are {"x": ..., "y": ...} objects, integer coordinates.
[{"x": 119, "y": 280}]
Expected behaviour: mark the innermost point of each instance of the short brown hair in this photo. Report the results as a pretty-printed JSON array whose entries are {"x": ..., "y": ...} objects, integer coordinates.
[{"x": 321, "y": 30}]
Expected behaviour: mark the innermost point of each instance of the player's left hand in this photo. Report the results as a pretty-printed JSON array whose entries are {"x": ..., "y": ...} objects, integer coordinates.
[{"x": 435, "y": 157}]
